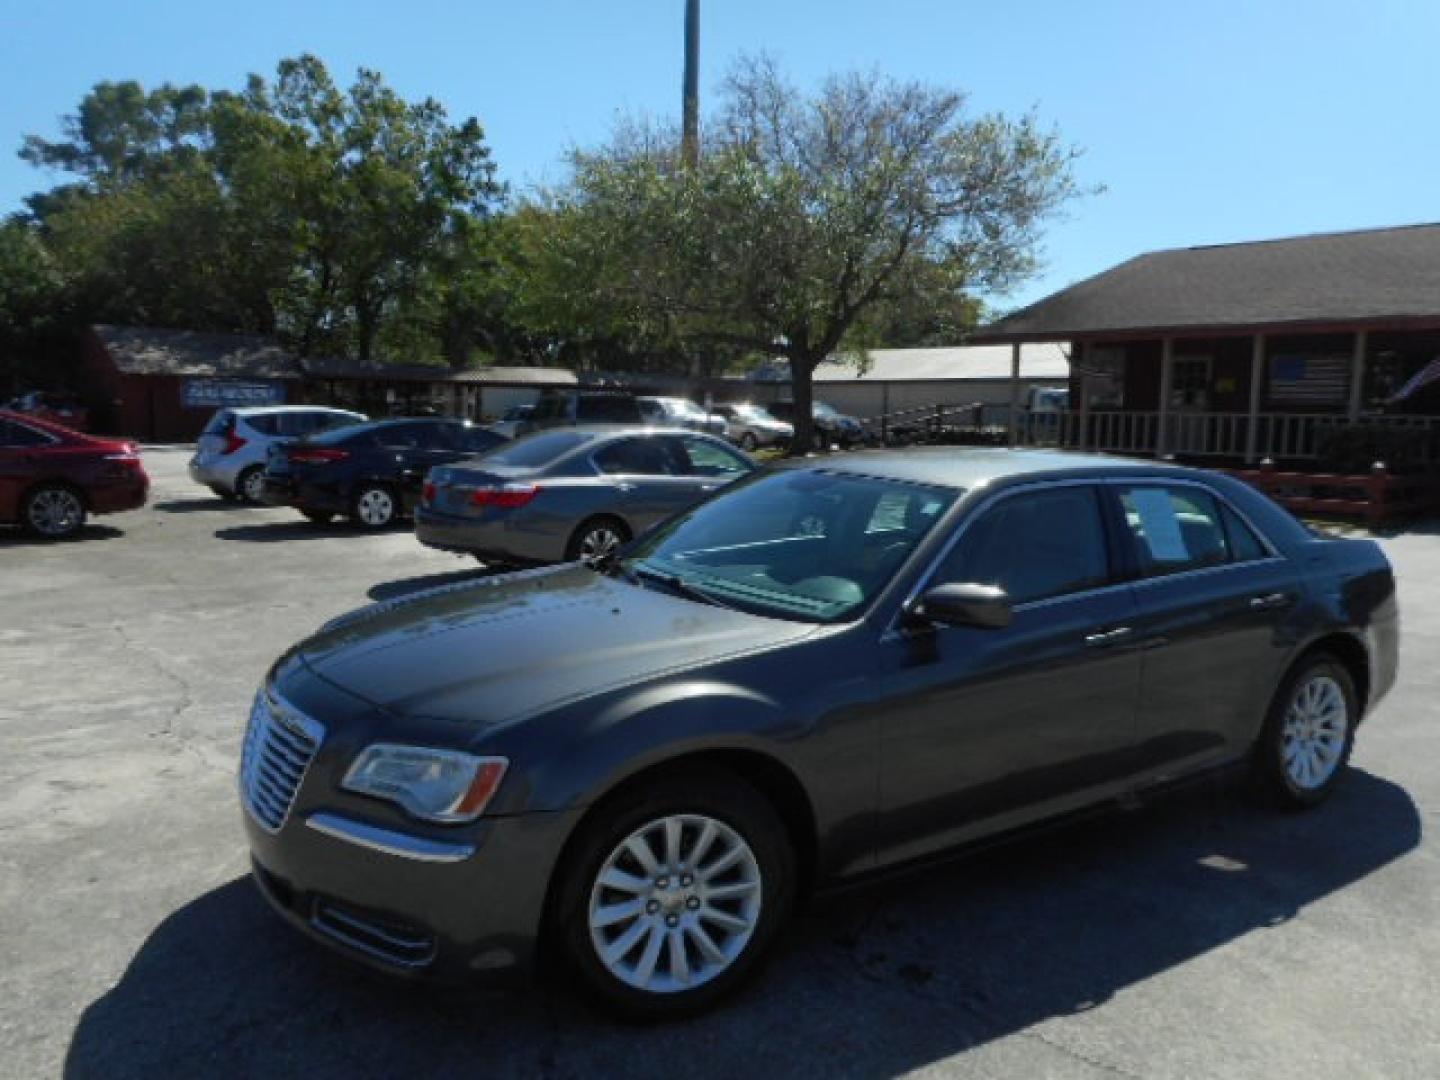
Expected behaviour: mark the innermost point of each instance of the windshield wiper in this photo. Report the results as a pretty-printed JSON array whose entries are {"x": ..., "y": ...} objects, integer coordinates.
[{"x": 678, "y": 584}]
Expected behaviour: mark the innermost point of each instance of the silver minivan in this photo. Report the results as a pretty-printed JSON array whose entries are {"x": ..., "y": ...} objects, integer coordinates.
[{"x": 230, "y": 456}]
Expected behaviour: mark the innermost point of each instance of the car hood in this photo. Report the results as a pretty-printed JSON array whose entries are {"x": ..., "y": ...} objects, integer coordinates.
[{"x": 500, "y": 649}]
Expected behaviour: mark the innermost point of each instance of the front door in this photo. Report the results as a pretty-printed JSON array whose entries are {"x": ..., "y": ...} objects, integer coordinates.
[
  {"x": 989, "y": 729},
  {"x": 1189, "y": 404},
  {"x": 19, "y": 464},
  {"x": 649, "y": 476}
]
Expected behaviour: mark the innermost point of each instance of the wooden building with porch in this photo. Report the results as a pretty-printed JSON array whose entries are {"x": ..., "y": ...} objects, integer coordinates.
[{"x": 1238, "y": 352}]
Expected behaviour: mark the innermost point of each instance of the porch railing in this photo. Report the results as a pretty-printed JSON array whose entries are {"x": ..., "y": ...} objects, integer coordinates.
[{"x": 1280, "y": 436}]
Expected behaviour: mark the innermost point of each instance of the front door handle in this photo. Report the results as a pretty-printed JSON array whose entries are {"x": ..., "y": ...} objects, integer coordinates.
[
  {"x": 1270, "y": 601},
  {"x": 624, "y": 487},
  {"x": 1101, "y": 638}
]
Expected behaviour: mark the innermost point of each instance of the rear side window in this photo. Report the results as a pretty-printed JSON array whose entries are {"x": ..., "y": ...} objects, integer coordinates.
[
  {"x": 601, "y": 410},
  {"x": 1245, "y": 546},
  {"x": 634, "y": 457},
  {"x": 219, "y": 423},
  {"x": 478, "y": 440},
  {"x": 1035, "y": 545},
  {"x": 13, "y": 434},
  {"x": 265, "y": 423},
  {"x": 1175, "y": 528}
]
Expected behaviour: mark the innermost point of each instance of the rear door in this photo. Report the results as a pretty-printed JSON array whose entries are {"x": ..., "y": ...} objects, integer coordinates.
[
  {"x": 648, "y": 473},
  {"x": 1213, "y": 599}
]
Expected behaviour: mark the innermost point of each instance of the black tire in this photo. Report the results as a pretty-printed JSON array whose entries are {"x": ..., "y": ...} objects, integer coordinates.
[
  {"x": 1272, "y": 779},
  {"x": 221, "y": 493},
  {"x": 53, "y": 511},
  {"x": 368, "y": 503},
  {"x": 585, "y": 541},
  {"x": 317, "y": 517},
  {"x": 715, "y": 795},
  {"x": 749, "y": 443},
  {"x": 248, "y": 484}
]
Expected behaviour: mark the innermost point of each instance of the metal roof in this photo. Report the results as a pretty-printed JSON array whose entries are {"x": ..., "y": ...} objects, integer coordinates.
[
  {"x": 1047, "y": 360},
  {"x": 1371, "y": 276}
]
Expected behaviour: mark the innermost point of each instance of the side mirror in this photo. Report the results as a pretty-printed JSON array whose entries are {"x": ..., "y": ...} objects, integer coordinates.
[{"x": 965, "y": 604}]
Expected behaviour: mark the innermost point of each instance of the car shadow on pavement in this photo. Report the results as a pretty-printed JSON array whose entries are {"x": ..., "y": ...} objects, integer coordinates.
[
  {"x": 879, "y": 983},
  {"x": 14, "y": 536},
  {"x": 392, "y": 590},
  {"x": 199, "y": 505},
  {"x": 276, "y": 531}
]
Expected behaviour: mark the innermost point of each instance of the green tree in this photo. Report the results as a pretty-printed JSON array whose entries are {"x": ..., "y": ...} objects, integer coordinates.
[
  {"x": 808, "y": 224},
  {"x": 32, "y": 305}
]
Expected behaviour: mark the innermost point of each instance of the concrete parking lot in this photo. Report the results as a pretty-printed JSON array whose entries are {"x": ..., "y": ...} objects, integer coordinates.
[{"x": 1197, "y": 937}]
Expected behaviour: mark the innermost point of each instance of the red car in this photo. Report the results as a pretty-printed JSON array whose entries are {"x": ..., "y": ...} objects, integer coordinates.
[
  {"x": 52, "y": 477},
  {"x": 63, "y": 409}
]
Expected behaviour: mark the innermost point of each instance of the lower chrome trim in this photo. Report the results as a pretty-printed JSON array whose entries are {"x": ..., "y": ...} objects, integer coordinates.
[{"x": 388, "y": 842}]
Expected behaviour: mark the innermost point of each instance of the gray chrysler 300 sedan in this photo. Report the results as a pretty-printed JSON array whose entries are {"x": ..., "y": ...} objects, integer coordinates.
[{"x": 829, "y": 669}]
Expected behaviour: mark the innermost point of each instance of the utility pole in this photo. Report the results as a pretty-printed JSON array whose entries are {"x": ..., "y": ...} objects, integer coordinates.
[{"x": 690, "y": 102}]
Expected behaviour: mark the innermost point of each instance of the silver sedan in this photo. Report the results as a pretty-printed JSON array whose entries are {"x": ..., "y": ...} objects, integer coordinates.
[{"x": 571, "y": 493}]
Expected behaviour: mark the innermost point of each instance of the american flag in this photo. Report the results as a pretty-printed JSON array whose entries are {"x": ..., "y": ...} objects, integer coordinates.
[{"x": 1426, "y": 375}]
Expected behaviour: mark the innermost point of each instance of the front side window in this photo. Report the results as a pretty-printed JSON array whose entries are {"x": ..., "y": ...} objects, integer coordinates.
[
  {"x": 634, "y": 457},
  {"x": 1033, "y": 544},
  {"x": 705, "y": 457},
  {"x": 1175, "y": 528},
  {"x": 794, "y": 544}
]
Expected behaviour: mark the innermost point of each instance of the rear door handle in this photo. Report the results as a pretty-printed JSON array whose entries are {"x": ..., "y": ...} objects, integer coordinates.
[
  {"x": 1270, "y": 601},
  {"x": 1102, "y": 638}
]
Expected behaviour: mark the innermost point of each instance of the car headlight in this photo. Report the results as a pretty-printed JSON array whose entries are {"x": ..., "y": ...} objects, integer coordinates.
[{"x": 444, "y": 786}]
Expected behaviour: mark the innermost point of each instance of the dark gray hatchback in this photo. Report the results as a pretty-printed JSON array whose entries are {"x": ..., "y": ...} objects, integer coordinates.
[{"x": 827, "y": 670}]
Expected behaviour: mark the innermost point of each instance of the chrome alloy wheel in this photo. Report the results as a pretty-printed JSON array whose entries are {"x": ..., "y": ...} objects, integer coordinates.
[
  {"x": 675, "y": 903},
  {"x": 375, "y": 507},
  {"x": 252, "y": 485},
  {"x": 599, "y": 543},
  {"x": 55, "y": 512},
  {"x": 1314, "y": 733}
]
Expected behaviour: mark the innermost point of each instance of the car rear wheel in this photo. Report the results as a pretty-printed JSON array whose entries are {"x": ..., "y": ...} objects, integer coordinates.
[
  {"x": 1309, "y": 733},
  {"x": 374, "y": 507},
  {"x": 597, "y": 539},
  {"x": 250, "y": 485},
  {"x": 673, "y": 893},
  {"x": 54, "y": 511}
]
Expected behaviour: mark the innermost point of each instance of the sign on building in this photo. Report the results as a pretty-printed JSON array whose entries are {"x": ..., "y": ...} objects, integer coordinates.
[{"x": 230, "y": 393}]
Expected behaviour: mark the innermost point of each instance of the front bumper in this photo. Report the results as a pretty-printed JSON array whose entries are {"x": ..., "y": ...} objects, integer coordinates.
[{"x": 462, "y": 908}]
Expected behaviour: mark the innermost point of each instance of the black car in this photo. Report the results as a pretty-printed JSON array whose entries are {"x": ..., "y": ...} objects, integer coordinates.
[
  {"x": 371, "y": 473},
  {"x": 567, "y": 408},
  {"x": 829, "y": 669},
  {"x": 832, "y": 427}
]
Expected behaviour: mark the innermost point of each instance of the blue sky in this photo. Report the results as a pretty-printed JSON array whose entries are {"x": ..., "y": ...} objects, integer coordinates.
[{"x": 1206, "y": 121}]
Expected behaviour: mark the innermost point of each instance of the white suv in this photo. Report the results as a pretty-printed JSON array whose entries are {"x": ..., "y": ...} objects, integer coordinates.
[{"x": 230, "y": 456}]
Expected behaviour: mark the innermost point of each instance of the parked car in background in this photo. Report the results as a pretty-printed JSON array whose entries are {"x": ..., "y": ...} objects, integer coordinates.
[
  {"x": 370, "y": 473},
  {"x": 232, "y": 451},
  {"x": 574, "y": 494},
  {"x": 751, "y": 427},
  {"x": 680, "y": 412},
  {"x": 568, "y": 408},
  {"x": 52, "y": 477},
  {"x": 831, "y": 426},
  {"x": 58, "y": 408},
  {"x": 515, "y": 422},
  {"x": 833, "y": 668}
]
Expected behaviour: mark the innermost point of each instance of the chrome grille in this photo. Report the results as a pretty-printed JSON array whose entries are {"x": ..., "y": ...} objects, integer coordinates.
[{"x": 279, "y": 744}]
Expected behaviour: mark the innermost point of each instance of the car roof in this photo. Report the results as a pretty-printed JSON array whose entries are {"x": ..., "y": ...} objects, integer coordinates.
[
  {"x": 970, "y": 467},
  {"x": 265, "y": 410},
  {"x": 613, "y": 430}
]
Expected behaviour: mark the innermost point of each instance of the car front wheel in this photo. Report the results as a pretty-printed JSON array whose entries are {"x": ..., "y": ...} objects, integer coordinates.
[
  {"x": 1309, "y": 733},
  {"x": 673, "y": 894},
  {"x": 374, "y": 507}
]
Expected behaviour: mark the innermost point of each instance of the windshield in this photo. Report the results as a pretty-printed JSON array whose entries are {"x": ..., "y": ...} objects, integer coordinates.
[
  {"x": 684, "y": 408},
  {"x": 809, "y": 545},
  {"x": 821, "y": 409},
  {"x": 753, "y": 412}
]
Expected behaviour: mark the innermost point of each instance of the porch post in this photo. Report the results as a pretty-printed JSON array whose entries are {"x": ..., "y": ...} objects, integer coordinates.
[
  {"x": 1078, "y": 366},
  {"x": 1357, "y": 376},
  {"x": 1257, "y": 377},
  {"x": 1014, "y": 392},
  {"x": 1167, "y": 371}
]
